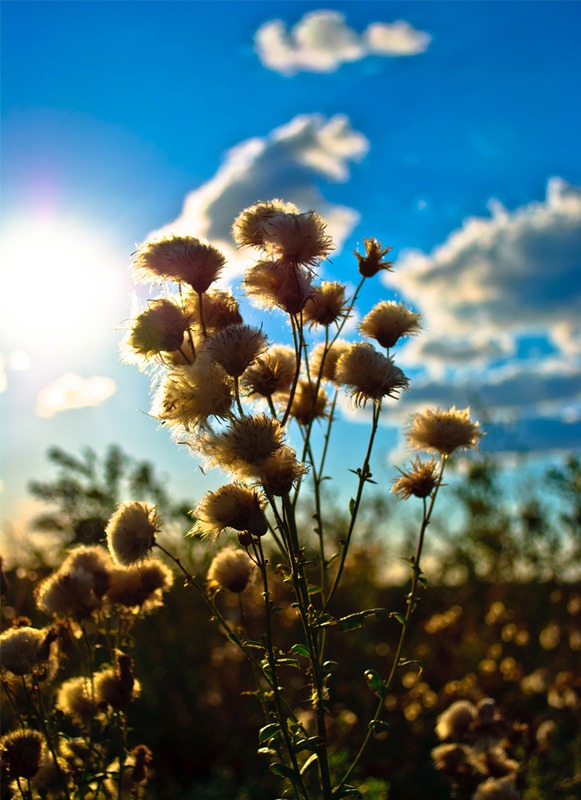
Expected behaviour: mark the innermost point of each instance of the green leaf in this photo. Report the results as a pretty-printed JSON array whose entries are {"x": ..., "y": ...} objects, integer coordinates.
[
  {"x": 288, "y": 662},
  {"x": 351, "y": 503},
  {"x": 375, "y": 682},
  {"x": 310, "y": 762},
  {"x": 399, "y": 617},
  {"x": 347, "y": 790},
  {"x": 351, "y": 622},
  {"x": 312, "y": 743},
  {"x": 251, "y": 643},
  {"x": 378, "y": 726},
  {"x": 314, "y": 590},
  {"x": 329, "y": 667},
  {"x": 324, "y": 621},
  {"x": 300, "y": 650},
  {"x": 283, "y": 771},
  {"x": 266, "y": 733}
]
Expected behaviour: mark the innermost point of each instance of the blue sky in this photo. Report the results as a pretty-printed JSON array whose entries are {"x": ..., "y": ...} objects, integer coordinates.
[{"x": 447, "y": 129}]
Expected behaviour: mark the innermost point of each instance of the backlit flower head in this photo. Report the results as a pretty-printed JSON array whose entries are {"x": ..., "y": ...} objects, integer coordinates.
[
  {"x": 131, "y": 532},
  {"x": 160, "y": 328},
  {"x": 179, "y": 258},
  {"x": 235, "y": 348},
  {"x": 418, "y": 480},
  {"x": 272, "y": 373},
  {"x": 323, "y": 360},
  {"x": 70, "y": 591},
  {"x": 21, "y": 753},
  {"x": 140, "y": 587},
  {"x": 371, "y": 263},
  {"x": 497, "y": 789},
  {"x": 326, "y": 304},
  {"x": 243, "y": 446},
  {"x": 189, "y": 395},
  {"x": 93, "y": 559},
  {"x": 249, "y": 226},
  {"x": 455, "y": 720},
  {"x": 307, "y": 406},
  {"x": 369, "y": 375},
  {"x": 271, "y": 284},
  {"x": 116, "y": 685},
  {"x": 231, "y": 570},
  {"x": 74, "y": 699},
  {"x": 298, "y": 239},
  {"x": 22, "y": 650},
  {"x": 220, "y": 309},
  {"x": 280, "y": 472},
  {"x": 231, "y": 506},
  {"x": 388, "y": 321},
  {"x": 455, "y": 760},
  {"x": 439, "y": 431}
]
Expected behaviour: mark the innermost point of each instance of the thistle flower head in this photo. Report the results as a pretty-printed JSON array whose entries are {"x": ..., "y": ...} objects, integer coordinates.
[
  {"x": 21, "y": 753},
  {"x": 235, "y": 348},
  {"x": 370, "y": 263},
  {"x": 280, "y": 471},
  {"x": 219, "y": 308},
  {"x": 323, "y": 360},
  {"x": 298, "y": 239},
  {"x": 497, "y": 789},
  {"x": 22, "y": 650},
  {"x": 249, "y": 226},
  {"x": 418, "y": 480},
  {"x": 455, "y": 760},
  {"x": 189, "y": 395},
  {"x": 140, "y": 587},
  {"x": 387, "y": 322},
  {"x": 231, "y": 570},
  {"x": 326, "y": 304},
  {"x": 93, "y": 559},
  {"x": 74, "y": 699},
  {"x": 272, "y": 284},
  {"x": 369, "y": 375},
  {"x": 439, "y": 431},
  {"x": 244, "y": 445},
  {"x": 231, "y": 506},
  {"x": 116, "y": 685},
  {"x": 272, "y": 373},
  {"x": 179, "y": 258},
  {"x": 160, "y": 328},
  {"x": 70, "y": 591},
  {"x": 455, "y": 720},
  {"x": 307, "y": 405},
  {"x": 131, "y": 532}
]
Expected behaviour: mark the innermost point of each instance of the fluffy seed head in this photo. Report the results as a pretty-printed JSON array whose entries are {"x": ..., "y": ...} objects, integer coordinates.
[
  {"x": 140, "y": 587},
  {"x": 235, "y": 348},
  {"x": 160, "y": 328},
  {"x": 493, "y": 789},
  {"x": 189, "y": 395},
  {"x": 21, "y": 753},
  {"x": 243, "y": 446},
  {"x": 249, "y": 226},
  {"x": 455, "y": 760},
  {"x": 418, "y": 480},
  {"x": 272, "y": 284},
  {"x": 370, "y": 263},
  {"x": 280, "y": 471},
  {"x": 326, "y": 304},
  {"x": 131, "y": 532},
  {"x": 272, "y": 373},
  {"x": 306, "y": 406},
  {"x": 93, "y": 559},
  {"x": 298, "y": 239},
  {"x": 22, "y": 649},
  {"x": 455, "y": 720},
  {"x": 231, "y": 569},
  {"x": 369, "y": 375},
  {"x": 74, "y": 699},
  {"x": 220, "y": 309},
  {"x": 71, "y": 590},
  {"x": 439, "y": 431},
  {"x": 387, "y": 322},
  {"x": 116, "y": 685},
  {"x": 231, "y": 506},
  {"x": 323, "y": 360},
  {"x": 179, "y": 258}
]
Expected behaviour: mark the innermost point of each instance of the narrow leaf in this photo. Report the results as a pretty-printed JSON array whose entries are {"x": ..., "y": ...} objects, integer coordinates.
[
  {"x": 300, "y": 650},
  {"x": 310, "y": 762},
  {"x": 283, "y": 771}
]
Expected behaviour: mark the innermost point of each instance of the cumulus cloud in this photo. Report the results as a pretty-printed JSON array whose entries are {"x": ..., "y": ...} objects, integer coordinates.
[
  {"x": 72, "y": 391},
  {"x": 291, "y": 162},
  {"x": 514, "y": 272},
  {"x": 322, "y": 41}
]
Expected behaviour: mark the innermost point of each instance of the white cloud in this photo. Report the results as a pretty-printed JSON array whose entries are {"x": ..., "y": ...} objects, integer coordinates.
[
  {"x": 322, "y": 41},
  {"x": 290, "y": 162},
  {"x": 512, "y": 273},
  {"x": 72, "y": 391}
]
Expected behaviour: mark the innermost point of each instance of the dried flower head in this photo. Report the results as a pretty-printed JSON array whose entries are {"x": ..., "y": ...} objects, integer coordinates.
[
  {"x": 494, "y": 761},
  {"x": 307, "y": 405},
  {"x": 370, "y": 264},
  {"x": 323, "y": 360},
  {"x": 230, "y": 569},
  {"x": 369, "y": 374},
  {"x": 140, "y": 587},
  {"x": 219, "y": 309},
  {"x": 326, "y": 304},
  {"x": 126, "y": 782},
  {"x": 455, "y": 760},
  {"x": 93, "y": 559},
  {"x": 439, "y": 431},
  {"x": 298, "y": 239},
  {"x": 131, "y": 532},
  {"x": 116, "y": 685},
  {"x": 418, "y": 480},
  {"x": 235, "y": 348},
  {"x": 244, "y": 445},
  {"x": 158, "y": 329},
  {"x": 74, "y": 699},
  {"x": 279, "y": 472},
  {"x": 388, "y": 321},
  {"x": 71, "y": 590},
  {"x": 455, "y": 720},
  {"x": 231, "y": 506},
  {"x": 249, "y": 226},
  {"x": 272, "y": 284},
  {"x": 179, "y": 258},
  {"x": 189, "y": 395},
  {"x": 493, "y": 789},
  {"x": 21, "y": 753},
  {"x": 272, "y": 373},
  {"x": 22, "y": 650}
]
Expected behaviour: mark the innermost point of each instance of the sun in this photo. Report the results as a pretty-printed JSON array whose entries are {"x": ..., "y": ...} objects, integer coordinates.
[{"x": 60, "y": 281}]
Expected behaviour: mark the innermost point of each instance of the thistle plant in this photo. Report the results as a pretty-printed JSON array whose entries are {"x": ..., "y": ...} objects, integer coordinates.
[{"x": 263, "y": 414}]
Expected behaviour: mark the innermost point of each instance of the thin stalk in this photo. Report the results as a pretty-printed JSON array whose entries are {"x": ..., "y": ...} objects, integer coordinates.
[
  {"x": 201, "y": 308},
  {"x": 237, "y": 395},
  {"x": 298, "y": 353}
]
